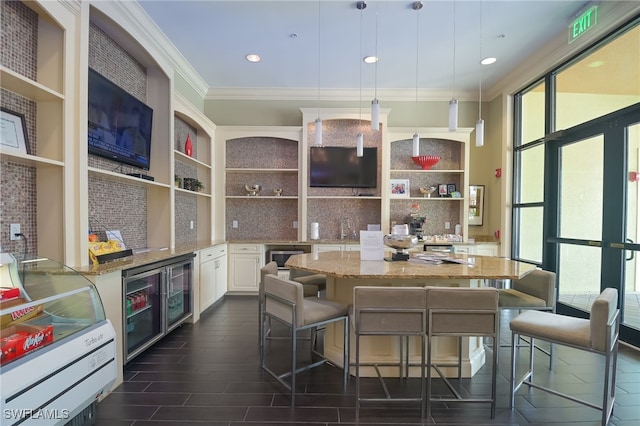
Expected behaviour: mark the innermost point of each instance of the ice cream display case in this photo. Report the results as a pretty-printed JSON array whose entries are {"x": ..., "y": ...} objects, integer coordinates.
[{"x": 58, "y": 351}]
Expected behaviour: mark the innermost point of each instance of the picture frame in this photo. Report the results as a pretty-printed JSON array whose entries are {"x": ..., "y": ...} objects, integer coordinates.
[
  {"x": 476, "y": 205},
  {"x": 399, "y": 188},
  {"x": 451, "y": 188},
  {"x": 443, "y": 190},
  {"x": 13, "y": 132}
]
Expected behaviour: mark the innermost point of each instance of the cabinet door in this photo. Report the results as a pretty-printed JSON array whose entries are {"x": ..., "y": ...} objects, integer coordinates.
[
  {"x": 245, "y": 272},
  {"x": 207, "y": 284},
  {"x": 221, "y": 276},
  {"x": 486, "y": 249},
  {"x": 319, "y": 248}
]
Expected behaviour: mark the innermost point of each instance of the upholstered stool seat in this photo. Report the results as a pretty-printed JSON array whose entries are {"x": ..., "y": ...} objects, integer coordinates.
[
  {"x": 598, "y": 334},
  {"x": 313, "y": 283}
]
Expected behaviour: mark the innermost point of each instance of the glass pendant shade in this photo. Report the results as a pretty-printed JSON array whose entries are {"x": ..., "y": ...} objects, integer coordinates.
[
  {"x": 480, "y": 133},
  {"x": 416, "y": 145},
  {"x": 318, "y": 132},
  {"x": 360, "y": 145},
  {"x": 453, "y": 115},
  {"x": 375, "y": 115}
]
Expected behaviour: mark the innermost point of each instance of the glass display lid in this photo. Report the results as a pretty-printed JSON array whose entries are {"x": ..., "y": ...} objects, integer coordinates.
[{"x": 42, "y": 302}]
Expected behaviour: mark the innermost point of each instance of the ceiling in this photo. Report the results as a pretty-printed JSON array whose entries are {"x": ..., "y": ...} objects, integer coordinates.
[{"x": 317, "y": 44}]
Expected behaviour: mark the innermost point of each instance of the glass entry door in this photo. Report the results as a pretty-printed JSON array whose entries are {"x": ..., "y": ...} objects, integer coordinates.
[{"x": 592, "y": 223}]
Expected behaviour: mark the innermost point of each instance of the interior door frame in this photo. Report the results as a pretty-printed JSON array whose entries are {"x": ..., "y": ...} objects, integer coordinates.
[{"x": 614, "y": 247}]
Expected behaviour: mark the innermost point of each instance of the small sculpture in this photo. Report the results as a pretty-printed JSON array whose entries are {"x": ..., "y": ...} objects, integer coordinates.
[
  {"x": 426, "y": 192},
  {"x": 277, "y": 192},
  {"x": 253, "y": 189}
]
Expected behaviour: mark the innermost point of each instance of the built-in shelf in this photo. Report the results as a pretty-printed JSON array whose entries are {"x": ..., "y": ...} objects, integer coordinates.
[
  {"x": 262, "y": 197},
  {"x": 347, "y": 197},
  {"x": 426, "y": 171},
  {"x": 29, "y": 160},
  {"x": 247, "y": 170},
  {"x": 126, "y": 178},
  {"x": 188, "y": 191},
  {"x": 180, "y": 156},
  {"x": 28, "y": 88}
]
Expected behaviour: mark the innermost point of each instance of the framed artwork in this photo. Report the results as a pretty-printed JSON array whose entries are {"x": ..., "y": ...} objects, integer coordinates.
[
  {"x": 476, "y": 204},
  {"x": 443, "y": 190},
  {"x": 399, "y": 188},
  {"x": 451, "y": 188},
  {"x": 13, "y": 132}
]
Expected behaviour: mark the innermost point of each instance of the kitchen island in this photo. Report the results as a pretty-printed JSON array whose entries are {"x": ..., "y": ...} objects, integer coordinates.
[{"x": 345, "y": 270}]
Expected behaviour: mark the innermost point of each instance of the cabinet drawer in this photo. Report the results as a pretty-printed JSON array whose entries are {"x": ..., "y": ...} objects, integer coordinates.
[
  {"x": 213, "y": 252},
  {"x": 245, "y": 248}
]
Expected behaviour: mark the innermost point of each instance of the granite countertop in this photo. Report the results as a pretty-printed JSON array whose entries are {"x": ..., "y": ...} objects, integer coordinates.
[
  {"x": 348, "y": 265},
  {"x": 151, "y": 256}
]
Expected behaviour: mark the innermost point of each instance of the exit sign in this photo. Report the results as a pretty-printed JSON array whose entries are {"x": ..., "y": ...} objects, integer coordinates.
[{"x": 584, "y": 22}]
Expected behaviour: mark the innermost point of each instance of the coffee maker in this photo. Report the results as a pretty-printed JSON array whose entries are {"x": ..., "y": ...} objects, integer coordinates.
[{"x": 416, "y": 224}]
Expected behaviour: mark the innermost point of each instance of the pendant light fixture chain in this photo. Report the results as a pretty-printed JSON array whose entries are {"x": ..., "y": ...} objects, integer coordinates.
[
  {"x": 360, "y": 138},
  {"x": 416, "y": 139},
  {"x": 318, "y": 135}
]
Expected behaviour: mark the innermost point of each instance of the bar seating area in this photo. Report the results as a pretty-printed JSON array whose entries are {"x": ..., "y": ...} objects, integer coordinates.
[{"x": 209, "y": 373}]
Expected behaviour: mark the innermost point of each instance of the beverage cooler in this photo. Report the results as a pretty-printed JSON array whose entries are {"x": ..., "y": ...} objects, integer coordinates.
[{"x": 157, "y": 298}]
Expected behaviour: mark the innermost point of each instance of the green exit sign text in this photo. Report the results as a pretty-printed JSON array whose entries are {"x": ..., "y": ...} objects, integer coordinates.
[{"x": 582, "y": 23}]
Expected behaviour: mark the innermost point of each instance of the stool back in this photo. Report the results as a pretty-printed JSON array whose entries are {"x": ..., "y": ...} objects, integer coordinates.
[
  {"x": 389, "y": 310},
  {"x": 284, "y": 299},
  {"x": 538, "y": 283},
  {"x": 462, "y": 311},
  {"x": 604, "y": 312}
]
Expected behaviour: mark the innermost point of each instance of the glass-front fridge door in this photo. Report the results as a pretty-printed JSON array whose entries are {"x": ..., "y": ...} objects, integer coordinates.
[
  {"x": 143, "y": 321},
  {"x": 179, "y": 279}
]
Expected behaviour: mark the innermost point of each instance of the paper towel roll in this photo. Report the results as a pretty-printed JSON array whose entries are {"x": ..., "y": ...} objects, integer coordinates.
[
  {"x": 458, "y": 229},
  {"x": 315, "y": 231}
]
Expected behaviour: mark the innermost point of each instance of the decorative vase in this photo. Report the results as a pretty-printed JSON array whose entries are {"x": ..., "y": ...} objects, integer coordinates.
[{"x": 188, "y": 147}]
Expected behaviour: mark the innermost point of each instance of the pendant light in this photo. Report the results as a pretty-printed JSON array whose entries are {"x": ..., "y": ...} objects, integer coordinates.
[
  {"x": 361, "y": 5},
  {"x": 453, "y": 103},
  {"x": 318, "y": 141},
  {"x": 416, "y": 139},
  {"x": 375, "y": 104},
  {"x": 480, "y": 122}
]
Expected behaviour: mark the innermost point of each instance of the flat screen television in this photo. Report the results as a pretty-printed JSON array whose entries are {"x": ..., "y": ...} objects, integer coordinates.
[
  {"x": 119, "y": 124},
  {"x": 340, "y": 167}
]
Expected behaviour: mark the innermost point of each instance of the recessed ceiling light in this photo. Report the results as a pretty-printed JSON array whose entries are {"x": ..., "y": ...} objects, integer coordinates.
[
  {"x": 595, "y": 64},
  {"x": 370, "y": 59},
  {"x": 252, "y": 57},
  {"x": 488, "y": 61}
]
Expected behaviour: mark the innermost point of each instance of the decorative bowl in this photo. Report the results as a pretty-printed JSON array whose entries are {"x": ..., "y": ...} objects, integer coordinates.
[
  {"x": 400, "y": 242},
  {"x": 252, "y": 190},
  {"x": 426, "y": 161}
]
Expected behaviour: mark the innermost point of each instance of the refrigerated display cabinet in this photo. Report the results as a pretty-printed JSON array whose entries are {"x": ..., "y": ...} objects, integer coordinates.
[{"x": 58, "y": 349}]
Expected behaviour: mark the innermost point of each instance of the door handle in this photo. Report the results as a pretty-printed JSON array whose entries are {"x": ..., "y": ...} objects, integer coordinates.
[{"x": 633, "y": 253}]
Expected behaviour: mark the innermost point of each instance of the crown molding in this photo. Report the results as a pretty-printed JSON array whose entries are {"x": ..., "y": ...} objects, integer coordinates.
[{"x": 334, "y": 94}]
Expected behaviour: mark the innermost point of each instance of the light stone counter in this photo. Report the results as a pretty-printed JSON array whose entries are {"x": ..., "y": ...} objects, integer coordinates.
[{"x": 345, "y": 270}]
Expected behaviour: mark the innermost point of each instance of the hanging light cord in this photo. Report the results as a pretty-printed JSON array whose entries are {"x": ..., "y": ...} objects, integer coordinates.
[
  {"x": 375, "y": 90},
  {"x": 480, "y": 85},
  {"x": 454, "y": 49},
  {"x": 318, "y": 58},
  {"x": 417, "y": 8},
  {"x": 360, "y": 70}
]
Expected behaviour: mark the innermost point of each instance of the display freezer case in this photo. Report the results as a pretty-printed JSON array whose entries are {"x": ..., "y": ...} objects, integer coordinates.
[
  {"x": 157, "y": 299},
  {"x": 58, "y": 349}
]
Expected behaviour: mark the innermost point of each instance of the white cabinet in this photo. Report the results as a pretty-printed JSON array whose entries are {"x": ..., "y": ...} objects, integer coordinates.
[
  {"x": 213, "y": 275},
  {"x": 486, "y": 249},
  {"x": 245, "y": 261},
  {"x": 319, "y": 248}
]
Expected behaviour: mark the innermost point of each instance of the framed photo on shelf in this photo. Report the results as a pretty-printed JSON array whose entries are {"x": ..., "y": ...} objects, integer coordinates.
[
  {"x": 399, "y": 188},
  {"x": 443, "y": 190},
  {"x": 451, "y": 188},
  {"x": 13, "y": 132},
  {"x": 476, "y": 204}
]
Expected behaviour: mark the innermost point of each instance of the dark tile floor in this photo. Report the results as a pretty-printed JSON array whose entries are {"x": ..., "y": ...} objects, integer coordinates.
[{"x": 208, "y": 374}]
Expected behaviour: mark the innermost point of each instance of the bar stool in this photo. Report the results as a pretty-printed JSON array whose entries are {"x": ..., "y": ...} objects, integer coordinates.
[
  {"x": 285, "y": 303},
  {"x": 455, "y": 311},
  {"x": 598, "y": 334},
  {"x": 263, "y": 329},
  {"x": 313, "y": 283},
  {"x": 537, "y": 291},
  {"x": 388, "y": 311}
]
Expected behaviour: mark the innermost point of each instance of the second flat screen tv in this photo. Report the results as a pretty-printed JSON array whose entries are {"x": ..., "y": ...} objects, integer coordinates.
[{"x": 340, "y": 167}]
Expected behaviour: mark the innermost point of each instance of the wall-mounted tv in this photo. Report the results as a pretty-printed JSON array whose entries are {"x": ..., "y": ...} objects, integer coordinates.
[
  {"x": 119, "y": 124},
  {"x": 340, "y": 167}
]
